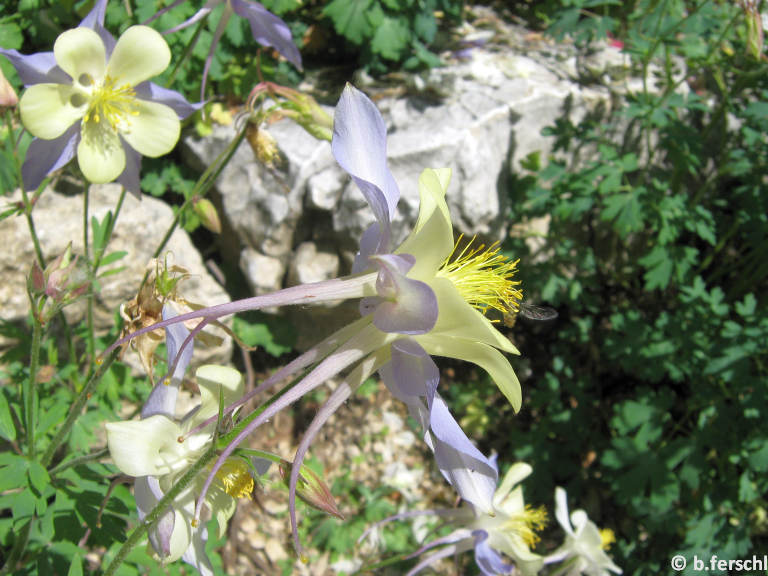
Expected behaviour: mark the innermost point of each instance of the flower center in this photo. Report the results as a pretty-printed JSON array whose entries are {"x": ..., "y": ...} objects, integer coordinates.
[
  {"x": 235, "y": 477},
  {"x": 607, "y": 537},
  {"x": 110, "y": 103},
  {"x": 527, "y": 523},
  {"x": 483, "y": 277}
]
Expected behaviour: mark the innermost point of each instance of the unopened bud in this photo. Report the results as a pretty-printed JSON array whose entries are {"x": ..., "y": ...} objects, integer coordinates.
[
  {"x": 8, "y": 98},
  {"x": 36, "y": 279},
  {"x": 755, "y": 34},
  {"x": 312, "y": 490},
  {"x": 208, "y": 215}
]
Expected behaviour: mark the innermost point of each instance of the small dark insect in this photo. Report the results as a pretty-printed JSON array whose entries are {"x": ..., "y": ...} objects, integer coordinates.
[{"x": 530, "y": 312}]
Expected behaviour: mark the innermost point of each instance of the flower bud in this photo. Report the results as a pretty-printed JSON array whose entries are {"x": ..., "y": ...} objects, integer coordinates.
[
  {"x": 209, "y": 217},
  {"x": 8, "y": 98},
  {"x": 311, "y": 489}
]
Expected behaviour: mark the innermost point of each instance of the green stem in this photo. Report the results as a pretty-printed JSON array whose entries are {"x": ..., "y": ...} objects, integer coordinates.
[
  {"x": 100, "y": 254},
  {"x": 18, "y": 548},
  {"x": 187, "y": 51},
  {"x": 30, "y": 390},
  {"x": 77, "y": 407},
  {"x": 90, "y": 345},
  {"x": 141, "y": 530},
  {"x": 77, "y": 461},
  {"x": 203, "y": 184},
  {"x": 24, "y": 197}
]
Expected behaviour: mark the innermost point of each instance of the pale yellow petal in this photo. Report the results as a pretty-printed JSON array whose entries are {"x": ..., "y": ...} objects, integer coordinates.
[
  {"x": 211, "y": 379},
  {"x": 487, "y": 357},
  {"x": 140, "y": 54},
  {"x": 153, "y": 130},
  {"x": 80, "y": 53},
  {"x": 518, "y": 472},
  {"x": 458, "y": 319},
  {"x": 100, "y": 153},
  {"x": 146, "y": 447},
  {"x": 47, "y": 110},
  {"x": 431, "y": 240}
]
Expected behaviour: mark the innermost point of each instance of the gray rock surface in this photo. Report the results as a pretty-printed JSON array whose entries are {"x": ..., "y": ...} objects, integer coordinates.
[{"x": 140, "y": 227}]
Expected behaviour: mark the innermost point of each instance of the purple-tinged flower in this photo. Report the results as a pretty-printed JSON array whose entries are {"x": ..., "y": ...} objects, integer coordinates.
[
  {"x": 267, "y": 29},
  {"x": 90, "y": 97},
  {"x": 501, "y": 537},
  {"x": 416, "y": 301},
  {"x": 149, "y": 450}
]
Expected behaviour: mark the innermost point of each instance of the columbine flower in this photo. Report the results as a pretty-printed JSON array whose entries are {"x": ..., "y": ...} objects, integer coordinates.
[
  {"x": 416, "y": 301},
  {"x": 267, "y": 29},
  {"x": 502, "y": 539},
  {"x": 583, "y": 551},
  {"x": 149, "y": 449},
  {"x": 90, "y": 97}
]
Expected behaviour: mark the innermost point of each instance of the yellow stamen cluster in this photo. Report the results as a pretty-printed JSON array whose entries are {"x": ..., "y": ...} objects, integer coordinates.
[
  {"x": 607, "y": 537},
  {"x": 527, "y": 524},
  {"x": 111, "y": 103},
  {"x": 236, "y": 478},
  {"x": 483, "y": 277}
]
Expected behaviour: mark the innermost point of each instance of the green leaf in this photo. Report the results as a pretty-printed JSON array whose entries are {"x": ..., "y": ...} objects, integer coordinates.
[
  {"x": 258, "y": 334},
  {"x": 76, "y": 567},
  {"x": 659, "y": 266},
  {"x": 13, "y": 471},
  {"x": 38, "y": 476},
  {"x": 349, "y": 18},
  {"x": 113, "y": 257},
  {"x": 10, "y": 36},
  {"x": 391, "y": 38},
  {"x": 7, "y": 429},
  {"x": 626, "y": 210}
]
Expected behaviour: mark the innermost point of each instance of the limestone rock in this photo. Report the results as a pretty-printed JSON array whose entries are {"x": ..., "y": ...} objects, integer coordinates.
[{"x": 140, "y": 226}]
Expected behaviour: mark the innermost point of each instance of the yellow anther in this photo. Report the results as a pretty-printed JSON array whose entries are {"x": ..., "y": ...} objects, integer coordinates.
[
  {"x": 483, "y": 277},
  {"x": 236, "y": 478}
]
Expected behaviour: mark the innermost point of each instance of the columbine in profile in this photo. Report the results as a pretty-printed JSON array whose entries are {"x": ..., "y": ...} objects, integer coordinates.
[
  {"x": 583, "y": 551},
  {"x": 267, "y": 29},
  {"x": 501, "y": 538},
  {"x": 90, "y": 97},
  {"x": 416, "y": 300},
  {"x": 149, "y": 450}
]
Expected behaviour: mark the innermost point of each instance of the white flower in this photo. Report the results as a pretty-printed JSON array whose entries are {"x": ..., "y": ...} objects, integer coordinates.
[{"x": 583, "y": 551}]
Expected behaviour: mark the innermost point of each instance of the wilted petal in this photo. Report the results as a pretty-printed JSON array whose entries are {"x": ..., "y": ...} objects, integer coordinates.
[
  {"x": 268, "y": 29},
  {"x": 46, "y": 156},
  {"x": 487, "y": 559},
  {"x": 100, "y": 153},
  {"x": 47, "y": 110},
  {"x": 80, "y": 52},
  {"x": 360, "y": 147},
  {"x": 140, "y": 54},
  {"x": 408, "y": 306},
  {"x": 146, "y": 447},
  {"x": 171, "y": 98},
  {"x": 154, "y": 130},
  {"x": 36, "y": 68},
  {"x": 464, "y": 466}
]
